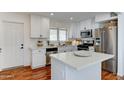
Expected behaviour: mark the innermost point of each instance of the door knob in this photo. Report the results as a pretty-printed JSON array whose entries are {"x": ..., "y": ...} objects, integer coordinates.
[
  {"x": 22, "y": 47},
  {"x": 22, "y": 44}
]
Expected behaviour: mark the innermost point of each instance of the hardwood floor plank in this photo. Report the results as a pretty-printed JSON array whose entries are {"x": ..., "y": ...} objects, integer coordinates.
[{"x": 44, "y": 73}]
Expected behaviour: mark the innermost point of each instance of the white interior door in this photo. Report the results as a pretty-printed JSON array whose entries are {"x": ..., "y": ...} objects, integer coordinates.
[{"x": 13, "y": 44}]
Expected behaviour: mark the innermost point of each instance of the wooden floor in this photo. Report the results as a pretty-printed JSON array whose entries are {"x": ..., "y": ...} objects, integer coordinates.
[
  {"x": 44, "y": 73},
  {"x": 108, "y": 76},
  {"x": 26, "y": 73}
]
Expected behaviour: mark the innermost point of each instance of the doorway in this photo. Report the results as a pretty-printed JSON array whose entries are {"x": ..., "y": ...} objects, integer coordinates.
[{"x": 13, "y": 45}]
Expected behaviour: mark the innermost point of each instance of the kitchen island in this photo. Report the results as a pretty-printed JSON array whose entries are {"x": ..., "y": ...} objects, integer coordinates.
[{"x": 68, "y": 66}]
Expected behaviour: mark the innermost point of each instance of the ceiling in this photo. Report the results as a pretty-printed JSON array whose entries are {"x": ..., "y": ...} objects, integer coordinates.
[{"x": 65, "y": 16}]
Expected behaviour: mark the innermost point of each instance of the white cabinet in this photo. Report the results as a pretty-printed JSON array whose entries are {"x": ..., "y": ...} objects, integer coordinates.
[
  {"x": 74, "y": 30},
  {"x": 87, "y": 24},
  {"x": 61, "y": 71},
  {"x": 58, "y": 70},
  {"x": 39, "y": 26},
  {"x": 38, "y": 58},
  {"x": 71, "y": 48},
  {"x": 104, "y": 17},
  {"x": 61, "y": 49}
]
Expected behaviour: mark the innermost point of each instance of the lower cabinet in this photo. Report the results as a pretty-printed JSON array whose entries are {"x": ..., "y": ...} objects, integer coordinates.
[
  {"x": 57, "y": 70},
  {"x": 38, "y": 58},
  {"x": 61, "y": 71}
]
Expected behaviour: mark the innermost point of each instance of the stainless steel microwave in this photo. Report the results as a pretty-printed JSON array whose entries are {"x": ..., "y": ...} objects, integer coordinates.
[{"x": 86, "y": 33}]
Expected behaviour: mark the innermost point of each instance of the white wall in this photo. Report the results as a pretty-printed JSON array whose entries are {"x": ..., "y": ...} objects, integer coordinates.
[
  {"x": 59, "y": 24},
  {"x": 14, "y": 17},
  {"x": 121, "y": 44},
  {"x": 1, "y": 59}
]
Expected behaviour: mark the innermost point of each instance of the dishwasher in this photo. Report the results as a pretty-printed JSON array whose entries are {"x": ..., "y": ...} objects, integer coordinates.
[{"x": 48, "y": 52}]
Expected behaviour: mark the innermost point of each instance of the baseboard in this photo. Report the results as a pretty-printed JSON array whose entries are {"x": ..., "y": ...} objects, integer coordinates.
[
  {"x": 37, "y": 66},
  {"x": 10, "y": 68}
]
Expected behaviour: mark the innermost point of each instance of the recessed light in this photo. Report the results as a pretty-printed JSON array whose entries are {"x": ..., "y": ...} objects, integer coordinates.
[
  {"x": 71, "y": 18},
  {"x": 51, "y": 14}
]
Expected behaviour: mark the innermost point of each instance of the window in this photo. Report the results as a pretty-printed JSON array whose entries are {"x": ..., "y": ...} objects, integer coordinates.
[
  {"x": 57, "y": 34},
  {"x": 62, "y": 35},
  {"x": 53, "y": 34}
]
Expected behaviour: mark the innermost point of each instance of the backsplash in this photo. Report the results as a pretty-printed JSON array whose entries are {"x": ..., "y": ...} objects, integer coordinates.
[{"x": 34, "y": 42}]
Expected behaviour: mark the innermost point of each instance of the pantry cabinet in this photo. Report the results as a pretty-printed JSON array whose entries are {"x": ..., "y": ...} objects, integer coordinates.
[{"x": 39, "y": 26}]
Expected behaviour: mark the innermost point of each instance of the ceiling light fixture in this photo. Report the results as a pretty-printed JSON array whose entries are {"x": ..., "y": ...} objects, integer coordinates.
[
  {"x": 71, "y": 18},
  {"x": 51, "y": 14}
]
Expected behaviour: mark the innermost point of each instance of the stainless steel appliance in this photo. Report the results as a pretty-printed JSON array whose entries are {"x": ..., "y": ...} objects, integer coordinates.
[
  {"x": 106, "y": 42},
  {"x": 88, "y": 42},
  {"x": 48, "y": 52},
  {"x": 86, "y": 33}
]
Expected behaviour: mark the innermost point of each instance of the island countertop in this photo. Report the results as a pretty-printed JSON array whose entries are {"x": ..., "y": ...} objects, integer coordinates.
[{"x": 78, "y": 63}]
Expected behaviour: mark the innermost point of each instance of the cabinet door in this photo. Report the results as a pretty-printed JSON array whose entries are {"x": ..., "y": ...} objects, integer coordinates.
[
  {"x": 57, "y": 70},
  {"x": 35, "y": 26},
  {"x": 71, "y": 48},
  {"x": 39, "y": 26},
  {"x": 44, "y": 27},
  {"x": 38, "y": 58},
  {"x": 60, "y": 49},
  {"x": 86, "y": 24},
  {"x": 68, "y": 48}
]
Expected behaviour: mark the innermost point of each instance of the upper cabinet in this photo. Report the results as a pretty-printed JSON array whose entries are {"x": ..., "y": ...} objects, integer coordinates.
[
  {"x": 39, "y": 26},
  {"x": 86, "y": 24},
  {"x": 74, "y": 30},
  {"x": 105, "y": 16}
]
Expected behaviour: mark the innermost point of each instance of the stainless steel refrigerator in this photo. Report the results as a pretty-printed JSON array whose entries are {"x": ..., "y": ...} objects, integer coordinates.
[{"x": 108, "y": 36}]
